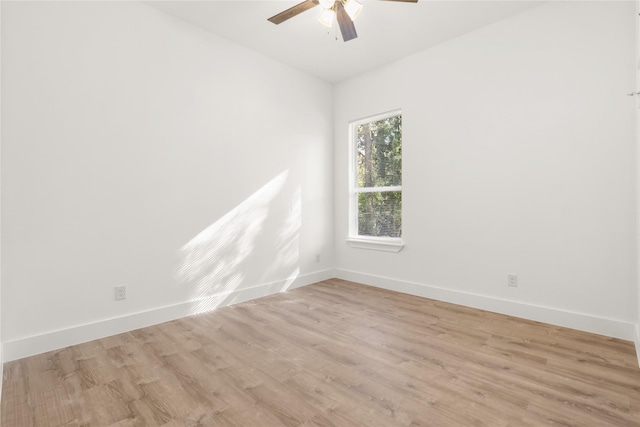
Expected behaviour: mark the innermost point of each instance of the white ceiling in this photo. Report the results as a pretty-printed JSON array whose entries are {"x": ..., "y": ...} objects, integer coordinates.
[{"x": 387, "y": 31}]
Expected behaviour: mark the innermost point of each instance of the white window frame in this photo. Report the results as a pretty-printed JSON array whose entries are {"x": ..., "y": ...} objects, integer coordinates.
[{"x": 386, "y": 244}]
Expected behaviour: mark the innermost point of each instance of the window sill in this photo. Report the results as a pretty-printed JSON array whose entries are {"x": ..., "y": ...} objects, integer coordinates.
[{"x": 389, "y": 244}]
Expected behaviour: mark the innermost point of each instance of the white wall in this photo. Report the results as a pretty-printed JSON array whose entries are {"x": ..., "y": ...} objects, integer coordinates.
[
  {"x": 637, "y": 195},
  {"x": 1, "y": 355},
  {"x": 139, "y": 150},
  {"x": 518, "y": 158}
]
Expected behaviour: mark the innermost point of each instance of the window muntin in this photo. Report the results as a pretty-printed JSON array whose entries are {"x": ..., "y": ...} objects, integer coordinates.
[{"x": 376, "y": 177}]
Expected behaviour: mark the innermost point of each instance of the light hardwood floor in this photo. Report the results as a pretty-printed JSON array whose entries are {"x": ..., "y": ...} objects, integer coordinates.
[{"x": 334, "y": 353}]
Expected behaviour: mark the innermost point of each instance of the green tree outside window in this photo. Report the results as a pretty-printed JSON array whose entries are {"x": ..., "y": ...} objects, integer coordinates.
[{"x": 378, "y": 146}]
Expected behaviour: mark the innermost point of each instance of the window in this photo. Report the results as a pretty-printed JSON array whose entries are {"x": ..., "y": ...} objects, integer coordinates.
[{"x": 376, "y": 182}]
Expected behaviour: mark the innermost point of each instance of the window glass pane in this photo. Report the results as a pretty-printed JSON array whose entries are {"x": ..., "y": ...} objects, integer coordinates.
[
  {"x": 379, "y": 214},
  {"x": 379, "y": 152}
]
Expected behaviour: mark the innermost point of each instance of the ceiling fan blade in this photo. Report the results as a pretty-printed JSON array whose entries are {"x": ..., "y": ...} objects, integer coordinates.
[
  {"x": 293, "y": 11},
  {"x": 347, "y": 28}
]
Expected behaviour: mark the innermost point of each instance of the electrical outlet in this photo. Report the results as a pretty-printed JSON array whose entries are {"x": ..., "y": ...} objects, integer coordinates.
[
  {"x": 317, "y": 257},
  {"x": 121, "y": 292},
  {"x": 512, "y": 280}
]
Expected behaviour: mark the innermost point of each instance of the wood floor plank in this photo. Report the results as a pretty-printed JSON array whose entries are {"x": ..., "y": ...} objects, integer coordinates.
[{"x": 335, "y": 353}]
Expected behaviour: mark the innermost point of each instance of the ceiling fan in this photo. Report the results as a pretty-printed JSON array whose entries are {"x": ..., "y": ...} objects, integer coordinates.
[{"x": 346, "y": 11}]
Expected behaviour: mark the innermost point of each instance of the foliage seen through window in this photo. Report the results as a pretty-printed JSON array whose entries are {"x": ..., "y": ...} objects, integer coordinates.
[{"x": 379, "y": 177}]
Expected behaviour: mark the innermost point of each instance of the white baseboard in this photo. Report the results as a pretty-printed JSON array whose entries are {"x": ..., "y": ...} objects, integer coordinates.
[
  {"x": 584, "y": 322},
  {"x": 637, "y": 340},
  {"x": 29, "y": 346}
]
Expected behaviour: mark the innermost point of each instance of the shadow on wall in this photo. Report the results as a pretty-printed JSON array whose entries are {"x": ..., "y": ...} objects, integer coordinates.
[{"x": 254, "y": 244}]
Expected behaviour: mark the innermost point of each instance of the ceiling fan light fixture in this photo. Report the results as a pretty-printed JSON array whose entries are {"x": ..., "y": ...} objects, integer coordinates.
[
  {"x": 353, "y": 8},
  {"x": 326, "y": 4},
  {"x": 327, "y": 16}
]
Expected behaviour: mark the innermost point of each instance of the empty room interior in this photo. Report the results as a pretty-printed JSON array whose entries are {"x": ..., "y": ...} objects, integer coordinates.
[{"x": 411, "y": 213}]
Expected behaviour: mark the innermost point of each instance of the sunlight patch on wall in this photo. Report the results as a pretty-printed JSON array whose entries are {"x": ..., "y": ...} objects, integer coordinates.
[
  {"x": 254, "y": 244},
  {"x": 287, "y": 242}
]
